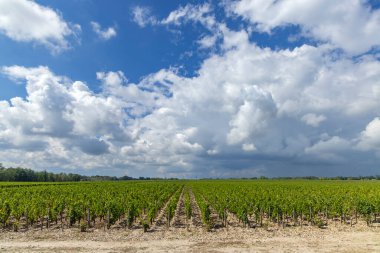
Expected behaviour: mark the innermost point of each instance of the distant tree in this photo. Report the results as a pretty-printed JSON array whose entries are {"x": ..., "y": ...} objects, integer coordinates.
[{"x": 21, "y": 175}]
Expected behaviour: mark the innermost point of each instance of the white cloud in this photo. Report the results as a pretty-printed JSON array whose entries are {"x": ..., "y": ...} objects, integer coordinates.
[
  {"x": 27, "y": 21},
  {"x": 104, "y": 34},
  {"x": 58, "y": 109},
  {"x": 330, "y": 145},
  {"x": 331, "y": 150},
  {"x": 111, "y": 79},
  {"x": 313, "y": 119},
  {"x": 212, "y": 152},
  {"x": 142, "y": 16},
  {"x": 369, "y": 139},
  {"x": 248, "y": 147},
  {"x": 251, "y": 117},
  {"x": 190, "y": 12},
  {"x": 207, "y": 41},
  {"x": 135, "y": 101},
  {"x": 336, "y": 22},
  {"x": 246, "y": 105}
]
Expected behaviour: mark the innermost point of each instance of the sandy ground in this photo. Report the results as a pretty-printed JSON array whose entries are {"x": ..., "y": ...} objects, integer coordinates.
[
  {"x": 233, "y": 239},
  {"x": 191, "y": 236}
]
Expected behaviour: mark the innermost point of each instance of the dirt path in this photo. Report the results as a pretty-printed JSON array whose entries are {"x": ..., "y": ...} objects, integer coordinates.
[
  {"x": 182, "y": 240},
  {"x": 179, "y": 219},
  {"x": 196, "y": 218},
  {"x": 161, "y": 219}
]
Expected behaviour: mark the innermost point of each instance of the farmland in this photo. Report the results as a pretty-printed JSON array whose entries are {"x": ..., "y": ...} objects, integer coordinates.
[
  {"x": 189, "y": 208},
  {"x": 208, "y": 204}
]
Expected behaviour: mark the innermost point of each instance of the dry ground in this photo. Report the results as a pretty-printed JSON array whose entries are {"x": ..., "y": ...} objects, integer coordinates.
[{"x": 340, "y": 238}]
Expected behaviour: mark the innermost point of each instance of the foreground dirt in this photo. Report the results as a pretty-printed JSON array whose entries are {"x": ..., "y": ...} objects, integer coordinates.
[{"x": 192, "y": 239}]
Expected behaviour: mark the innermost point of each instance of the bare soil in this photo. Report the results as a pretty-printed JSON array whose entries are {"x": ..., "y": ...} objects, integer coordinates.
[
  {"x": 340, "y": 238},
  {"x": 179, "y": 219},
  {"x": 196, "y": 218},
  {"x": 161, "y": 219}
]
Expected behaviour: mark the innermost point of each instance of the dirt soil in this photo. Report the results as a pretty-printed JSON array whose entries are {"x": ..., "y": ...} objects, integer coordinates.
[{"x": 194, "y": 239}]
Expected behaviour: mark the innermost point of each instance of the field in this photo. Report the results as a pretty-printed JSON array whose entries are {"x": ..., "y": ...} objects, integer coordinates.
[{"x": 216, "y": 215}]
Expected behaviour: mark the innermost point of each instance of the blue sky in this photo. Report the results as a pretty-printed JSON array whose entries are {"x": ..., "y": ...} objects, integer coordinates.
[
  {"x": 145, "y": 50},
  {"x": 191, "y": 88}
]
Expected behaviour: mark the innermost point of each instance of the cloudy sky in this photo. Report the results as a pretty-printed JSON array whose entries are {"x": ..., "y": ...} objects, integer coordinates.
[{"x": 233, "y": 88}]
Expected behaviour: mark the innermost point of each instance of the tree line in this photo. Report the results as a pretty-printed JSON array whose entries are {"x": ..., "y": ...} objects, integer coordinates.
[
  {"x": 19, "y": 174},
  {"x": 27, "y": 175}
]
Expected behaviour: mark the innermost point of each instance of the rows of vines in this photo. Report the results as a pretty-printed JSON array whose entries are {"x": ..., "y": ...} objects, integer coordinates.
[
  {"x": 83, "y": 204},
  {"x": 290, "y": 203},
  {"x": 254, "y": 203}
]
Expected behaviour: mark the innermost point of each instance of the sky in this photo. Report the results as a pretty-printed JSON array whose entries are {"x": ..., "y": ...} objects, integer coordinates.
[{"x": 191, "y": 89}]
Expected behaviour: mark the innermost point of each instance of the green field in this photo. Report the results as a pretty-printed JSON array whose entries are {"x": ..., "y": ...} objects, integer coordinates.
[{"x": 143, "y": 204}]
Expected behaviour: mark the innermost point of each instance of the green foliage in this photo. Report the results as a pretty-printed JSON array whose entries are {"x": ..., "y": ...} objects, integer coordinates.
[
  {"x": 132, "y": 212},
  {"x": 83, "y": 226},
  {"x": 252, "y": 202},
  {"x": 28, "y": 175},
  {"x": 172, "y": 205},
  {"x": 283, "y": 201},
  {"x": 207, "y": 214},
  {"x": 145, "y": 226}
]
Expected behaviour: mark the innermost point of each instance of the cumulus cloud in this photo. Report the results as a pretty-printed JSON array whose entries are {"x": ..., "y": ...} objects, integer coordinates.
[
  {"x": 259, "y": 109},
  {"x": 248, "y": 110},
  {"x": 57, "y": 109},
  {"x": 28, "y": 21},
  {"x": 330, "y": 149},
  {"x": 249, "y": 102},
  {"x": 256, "y": 99},
  {"x": 334, "y": 22},
  {"x": 370, "y": 138},
  {"x": 106, "y": 33}
]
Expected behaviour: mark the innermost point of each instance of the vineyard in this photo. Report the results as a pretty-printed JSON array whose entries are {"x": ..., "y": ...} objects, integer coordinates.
[{"x": 157, "y": 205}]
